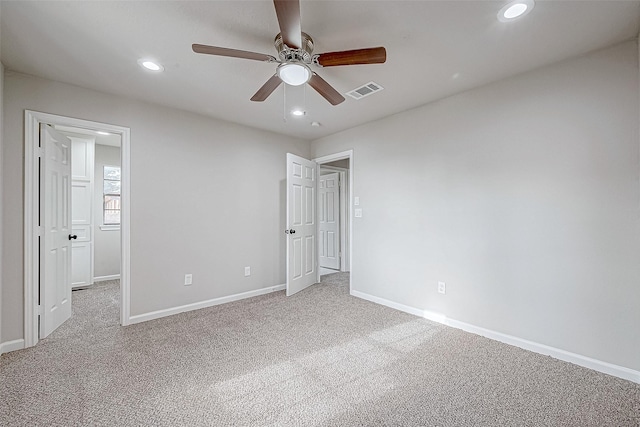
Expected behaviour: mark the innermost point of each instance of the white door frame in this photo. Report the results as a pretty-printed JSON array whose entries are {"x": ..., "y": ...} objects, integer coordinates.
[
  {"x": 348, "y": 154},
  {"x": 32, "y": 229}
]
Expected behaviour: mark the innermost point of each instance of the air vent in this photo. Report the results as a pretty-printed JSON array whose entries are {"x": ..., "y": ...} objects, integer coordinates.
[{"x": 365, "y": 90}]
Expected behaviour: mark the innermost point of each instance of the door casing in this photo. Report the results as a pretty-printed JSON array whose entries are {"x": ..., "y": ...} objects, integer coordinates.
[{"x": 32, "y": 230}]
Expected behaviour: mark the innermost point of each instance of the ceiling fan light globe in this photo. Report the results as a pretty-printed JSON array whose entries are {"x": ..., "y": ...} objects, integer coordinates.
[{"x": 294, "y": 74}]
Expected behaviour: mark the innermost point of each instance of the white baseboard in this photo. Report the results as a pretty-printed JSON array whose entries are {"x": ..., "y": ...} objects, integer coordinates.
[
  {"x": 103, "y": 278},
  {"x": 324, "y": 271},
  {"x": 576, "y": 359},
  {"x": 14, "y": 345},
  {"x": 567, "y": 356},
  {"x": 203, "y": 304},
  {"x": 385, "y": 302}
]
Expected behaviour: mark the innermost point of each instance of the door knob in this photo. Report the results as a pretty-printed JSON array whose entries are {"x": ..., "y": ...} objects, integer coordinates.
[
  {"x": 73, "y": 236},
  {"x": 292, "y": 231}
]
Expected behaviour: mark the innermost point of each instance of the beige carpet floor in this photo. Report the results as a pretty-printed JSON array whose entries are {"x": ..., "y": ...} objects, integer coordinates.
[{"x": 319, "y": 358}]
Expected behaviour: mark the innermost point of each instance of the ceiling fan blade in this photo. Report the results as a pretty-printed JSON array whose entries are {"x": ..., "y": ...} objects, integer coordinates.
[
  {"x": 234, "y": 53},
  {"x": 374, "y": 55},
  {"x": 267, "y": 89},
  {"x": 288, "y": 12},
  {"x": 325, "y": 89}
]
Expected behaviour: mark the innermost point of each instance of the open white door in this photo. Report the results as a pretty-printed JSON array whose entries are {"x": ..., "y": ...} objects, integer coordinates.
[
  {"x": 55, "y": 208},
  {"x": 301, "y": 223},
  {"x": 329, "y": 221}
]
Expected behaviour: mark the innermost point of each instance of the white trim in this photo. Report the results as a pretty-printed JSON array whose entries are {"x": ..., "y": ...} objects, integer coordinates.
[
  {"x": 387, "y": 303},
  {"x": 138, "y": 318},
  {"x": 31, "y": 229},
  {"x": 324, "y": 270},
  {"x": 32, "y": 120},
  {"x": 567, "y": 356},
  {"x": 103, "y": 278},
  {"x": 111, "y": 227},
  {"x": 14, "y": 345},
  {"x": 125, "y": 226}
]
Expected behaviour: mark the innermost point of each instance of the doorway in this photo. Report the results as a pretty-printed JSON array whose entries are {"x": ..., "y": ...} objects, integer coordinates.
[
  {"x": 302, "y": 227},
  {"x": 333, "y": 218},
  {"x": 95, "y": 205},
  {"x": 332, "y": 165},
  {"x": 36, "y": 283}
]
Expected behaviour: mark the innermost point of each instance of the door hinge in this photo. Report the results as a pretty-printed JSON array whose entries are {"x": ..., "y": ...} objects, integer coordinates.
[{"x": 40, "y": 310}]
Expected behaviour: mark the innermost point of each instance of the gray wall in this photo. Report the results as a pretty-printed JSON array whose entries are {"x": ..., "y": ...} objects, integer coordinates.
[
  {"x": 207, "y": 197},
  {"x": 1, "y": 174},
  {"x": 1, "y": 180},
  {"x": 106, "y": 243},
  {"x": 523, "y": 196}
]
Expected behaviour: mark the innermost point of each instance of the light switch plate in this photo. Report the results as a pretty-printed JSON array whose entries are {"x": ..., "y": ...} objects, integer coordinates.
[
  {"x": 442, "y": 287},
  {"x": 247, "y": 271},
  {"x": 356, "y": 201},
  {"x": 188, "y": 279},
  {"x": 358, "y": 213}
]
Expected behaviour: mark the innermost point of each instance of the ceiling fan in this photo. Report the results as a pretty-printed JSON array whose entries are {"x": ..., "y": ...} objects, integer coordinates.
[{"x": 295, "y": 56}]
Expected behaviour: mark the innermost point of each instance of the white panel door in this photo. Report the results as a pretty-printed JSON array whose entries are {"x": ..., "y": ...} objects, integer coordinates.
[
  {"x": 82, "y": 169},
  {"x": 329, "y": 221},
  {"x": 81, "y": 264},
  {"x": 301, "y": 223},
  {"x": 55, "y": 207},
  {"x": 82, "y": 227}
]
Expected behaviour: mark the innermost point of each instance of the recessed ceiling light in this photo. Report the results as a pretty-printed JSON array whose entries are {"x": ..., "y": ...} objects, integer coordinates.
[
  {"x": 150, "y": 65},
  {"x": 515, "y": 9},
  {"x": 315, "y": 124},
  {"x": 297, "y": 112}
]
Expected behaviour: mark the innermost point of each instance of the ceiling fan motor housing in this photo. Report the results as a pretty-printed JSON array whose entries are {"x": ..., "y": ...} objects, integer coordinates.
[{"x": 287, "y": 54}]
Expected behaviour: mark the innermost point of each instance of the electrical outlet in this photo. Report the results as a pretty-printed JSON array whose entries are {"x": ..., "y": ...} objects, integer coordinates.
[
  {"x": 442, "y": 287},
  {"x": 357, "y": 213},
  {"x": 188, "y": 279},
  {"x": 247, "y": 271}
]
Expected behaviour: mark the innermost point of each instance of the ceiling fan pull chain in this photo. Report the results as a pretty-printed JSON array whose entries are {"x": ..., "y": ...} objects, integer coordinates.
[{"x": 284, "y": 104}]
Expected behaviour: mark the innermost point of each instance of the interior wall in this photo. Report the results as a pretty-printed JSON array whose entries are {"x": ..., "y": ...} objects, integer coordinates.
[
  {"x": 1, "y": 190},
  {"x": 1, "y": 174},
  {"x": 523, "y": 196},
  {"x": 106, "y": 244},
  {"x": 208, "y": 197}
]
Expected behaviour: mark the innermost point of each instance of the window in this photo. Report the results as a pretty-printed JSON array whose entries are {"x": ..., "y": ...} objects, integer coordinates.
[{"x": 111, "y": 195}]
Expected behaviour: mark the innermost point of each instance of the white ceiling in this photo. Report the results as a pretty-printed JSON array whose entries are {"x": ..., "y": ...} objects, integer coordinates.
[{"x": 434, "y": 49}]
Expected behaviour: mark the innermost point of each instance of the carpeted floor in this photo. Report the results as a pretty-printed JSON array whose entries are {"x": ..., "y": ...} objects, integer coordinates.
[{"x": 318, "y": 358}]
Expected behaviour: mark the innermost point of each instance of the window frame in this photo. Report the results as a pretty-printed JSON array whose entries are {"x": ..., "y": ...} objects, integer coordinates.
[{"x": 105, "y": 224}]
